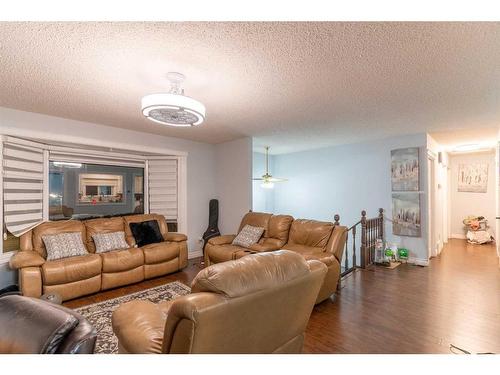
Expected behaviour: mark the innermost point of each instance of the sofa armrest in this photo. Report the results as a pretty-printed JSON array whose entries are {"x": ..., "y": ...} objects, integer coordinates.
[
  {"x": 139, "y": 326},
  {"x": 222, "y": 240},
  {"x": 24, "y": 259},
  {"x": 266, "y": 246},
  {"x": 326, "y": 258},
  {"x": 175, "y": 237}
]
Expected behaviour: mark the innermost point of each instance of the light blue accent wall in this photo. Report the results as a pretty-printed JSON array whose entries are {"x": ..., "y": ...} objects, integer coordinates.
[{"x": 344, "y": 180}]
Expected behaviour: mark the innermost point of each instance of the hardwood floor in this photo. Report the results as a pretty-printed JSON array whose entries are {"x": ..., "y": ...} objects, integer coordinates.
[{"x": 411, "y": 309}]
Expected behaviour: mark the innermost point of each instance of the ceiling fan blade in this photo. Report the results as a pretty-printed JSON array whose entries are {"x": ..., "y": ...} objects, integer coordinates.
[{"x": 258, "y": 179}]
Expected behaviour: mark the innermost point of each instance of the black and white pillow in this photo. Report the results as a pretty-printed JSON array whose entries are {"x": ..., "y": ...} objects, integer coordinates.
[
  {"x": 64, "y": 245},
  {"x": 105, "y": 242},
  {"x": 248, "y": 236}
]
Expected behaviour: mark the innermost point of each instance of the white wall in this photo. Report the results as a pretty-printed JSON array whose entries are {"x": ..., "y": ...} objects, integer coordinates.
[
  {"x": 346, "y": 180},
  {"x": 263, "y": 199},
  {"x": 439, "y": 221},
  {"x": 233, "y": 182},
  {"x": 201, "y": 167},
  {"x": 463, "y": 204}
]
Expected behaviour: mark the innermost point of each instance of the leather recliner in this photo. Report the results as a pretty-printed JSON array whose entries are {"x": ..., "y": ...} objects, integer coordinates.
[
  {"x": 81, "y": 275},
  {"x": 260, "y": 303},
  {"x": 318, "y": 240},
  {"x": 219, "y": 249},
  {"x": 32, "y": 326}
]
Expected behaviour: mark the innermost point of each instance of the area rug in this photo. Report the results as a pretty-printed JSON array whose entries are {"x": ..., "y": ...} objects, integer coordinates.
[{"x": 99, "y": 314}]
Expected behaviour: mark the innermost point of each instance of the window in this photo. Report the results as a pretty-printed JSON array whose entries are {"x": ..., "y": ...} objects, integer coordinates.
[
  {"x": 79, "y": 190},
  {"x": 10, "y": 242},
  {"x": 100, "y": 188}
]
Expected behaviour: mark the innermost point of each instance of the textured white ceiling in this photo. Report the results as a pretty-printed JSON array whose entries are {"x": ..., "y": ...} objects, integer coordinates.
[{"x": 291, "y": 85}]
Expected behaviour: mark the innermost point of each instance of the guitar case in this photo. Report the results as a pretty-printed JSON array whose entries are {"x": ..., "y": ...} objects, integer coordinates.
[{"x": 213, "y": 219}]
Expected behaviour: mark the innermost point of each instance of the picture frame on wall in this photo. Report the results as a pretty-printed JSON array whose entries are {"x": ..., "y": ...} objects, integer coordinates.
[
  {"x": 406, "y": 214},
  {"x": 405, "y": 169},
  {"x": 473, "y": 177}
]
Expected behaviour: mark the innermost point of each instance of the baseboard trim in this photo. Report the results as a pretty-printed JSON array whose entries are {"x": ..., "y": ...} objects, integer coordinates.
[
  {"x": 458, "y": 236},
  {"x": 195, "y": 254},
  {"x": 418, "y": 261}
]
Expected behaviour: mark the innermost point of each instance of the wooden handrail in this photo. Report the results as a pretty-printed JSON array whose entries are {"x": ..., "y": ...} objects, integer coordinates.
[{"x": 370, "y": 230}]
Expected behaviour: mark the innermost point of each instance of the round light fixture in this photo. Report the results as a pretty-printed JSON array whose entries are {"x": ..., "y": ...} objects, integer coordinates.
[{"x": 173, "y": 108}]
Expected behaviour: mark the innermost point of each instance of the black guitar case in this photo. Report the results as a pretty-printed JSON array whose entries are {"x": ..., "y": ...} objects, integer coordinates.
[{"x": 213, "y": 219}]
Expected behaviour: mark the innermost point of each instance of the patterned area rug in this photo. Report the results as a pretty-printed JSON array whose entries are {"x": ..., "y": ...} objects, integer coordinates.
[{"x": 99, "y": 314}]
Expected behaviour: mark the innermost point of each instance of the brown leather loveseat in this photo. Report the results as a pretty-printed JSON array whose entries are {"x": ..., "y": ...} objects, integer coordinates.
[
  {"x": 314, "y": 240},
  {"x": 219, "y": 249},
  {"x": 81, "y": 275},
  {"x": 260, "y": 303}
]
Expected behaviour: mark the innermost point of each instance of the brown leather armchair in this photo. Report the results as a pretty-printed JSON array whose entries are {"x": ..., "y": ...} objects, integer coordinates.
[
  {"x": 257, "y": 304},
  {"x": 33, "y": 326},
  {"x": 219, "y": 249}
]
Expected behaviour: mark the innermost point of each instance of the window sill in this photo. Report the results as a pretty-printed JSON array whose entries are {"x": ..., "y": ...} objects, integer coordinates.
[{"x": 5, "y": 257}]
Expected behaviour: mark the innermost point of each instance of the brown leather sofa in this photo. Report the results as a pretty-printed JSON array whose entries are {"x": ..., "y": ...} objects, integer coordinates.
[
  {"x": 219, "y": 249},
  {"x": 33, "y": 326},
  {"x": 314, "y": 240},
  {"x": 257, "y": 304},
  {"x": 81, "y": 275}
]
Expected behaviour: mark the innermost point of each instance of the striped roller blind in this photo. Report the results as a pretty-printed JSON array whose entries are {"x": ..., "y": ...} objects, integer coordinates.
[
  {"x": 22, "y": 187},
  {"x": 163, "y": 187}
]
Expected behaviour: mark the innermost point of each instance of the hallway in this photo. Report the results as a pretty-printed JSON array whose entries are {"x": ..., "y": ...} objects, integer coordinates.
[{"x": 412, "y": 309}]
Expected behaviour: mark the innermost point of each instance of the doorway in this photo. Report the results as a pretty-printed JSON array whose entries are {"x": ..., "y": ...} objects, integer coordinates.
[{"x": 473, "y": 195}]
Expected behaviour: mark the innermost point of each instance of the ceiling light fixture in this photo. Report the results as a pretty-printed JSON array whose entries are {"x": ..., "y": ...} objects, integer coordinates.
[
  {"x": 173, "y": 108},
  {"x": 268, "y": 180},
  {"x": 468, "y": 147}
]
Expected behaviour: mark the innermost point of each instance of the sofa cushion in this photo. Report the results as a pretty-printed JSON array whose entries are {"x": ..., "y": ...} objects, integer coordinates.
[
  {"x": 222, "y": 253},
  {"x": 251, "y": 273},
  {"x": 54, "y": 227},
  {"x": 105, "y": 242},
  {"x": 67, "y": 270},
  {"x": 139, "y": 219},
  {"x": 64, "y": 245},
  {"x": 279, "y": 227},
  {"x": 160, "y": 252},
  {"x": 146, "y": 232},
  {"x": 122, "y": 260},
  {"x": 248, "y": 236},
  {"x": 107, "y": 225},
  {"x": 310, "y": 233},
  {"x": 256, "y": 219}
]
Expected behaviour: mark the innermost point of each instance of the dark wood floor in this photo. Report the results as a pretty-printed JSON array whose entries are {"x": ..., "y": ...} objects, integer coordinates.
[{"x": 411, "y": 309}]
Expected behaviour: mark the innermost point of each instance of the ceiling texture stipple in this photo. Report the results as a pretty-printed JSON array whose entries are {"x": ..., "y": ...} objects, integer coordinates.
[{"x": 293, "y": 86}]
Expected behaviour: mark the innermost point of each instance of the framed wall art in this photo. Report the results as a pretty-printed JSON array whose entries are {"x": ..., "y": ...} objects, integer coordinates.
[
  {"x": 473, "y": 178},
  {"x": 405, "y": 169},
  {"x": 406, "y": 214}
]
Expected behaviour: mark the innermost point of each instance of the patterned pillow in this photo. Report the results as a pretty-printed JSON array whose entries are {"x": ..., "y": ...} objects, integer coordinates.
[
  {"x": 105, "y": 242},
  {"x": 64, "y": 245},
  {"x": 248, "y": 236}
]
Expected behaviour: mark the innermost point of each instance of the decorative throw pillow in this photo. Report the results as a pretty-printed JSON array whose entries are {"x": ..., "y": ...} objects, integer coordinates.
[
  {"x": 248, "y": 236},
  {"x": 64, "y": 245},
  {"x": 146, "y": 232},
  {"x": 105, "y": 242}
]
